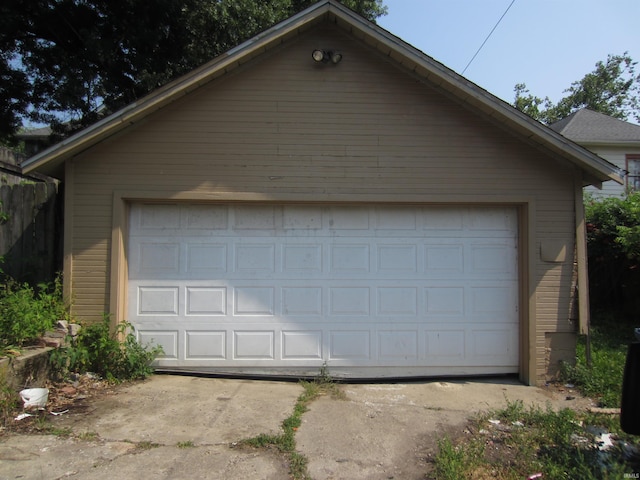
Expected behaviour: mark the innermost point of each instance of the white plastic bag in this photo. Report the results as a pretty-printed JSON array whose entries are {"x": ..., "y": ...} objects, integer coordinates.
[{"x": 35, "y": 397}]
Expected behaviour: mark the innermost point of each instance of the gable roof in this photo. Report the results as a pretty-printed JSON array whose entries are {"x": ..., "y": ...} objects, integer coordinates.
[
  {"x": 589, "y": 127},
  {"x": 397, "y": 51}
]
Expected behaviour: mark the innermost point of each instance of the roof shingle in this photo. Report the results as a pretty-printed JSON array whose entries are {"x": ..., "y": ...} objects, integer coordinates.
[{"x": 588, "y": 126}]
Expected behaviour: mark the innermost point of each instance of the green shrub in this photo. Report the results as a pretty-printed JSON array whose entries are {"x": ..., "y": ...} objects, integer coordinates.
[
  {"x": 613, "y": 246},
  {"x": 27, "y": 313},
  {"x": 115, "y": 355}
]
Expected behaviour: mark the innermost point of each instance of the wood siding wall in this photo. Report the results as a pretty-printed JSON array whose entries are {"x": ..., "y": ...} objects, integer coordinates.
[
  {"x": 617, "y": 156},
  {"x": 361, "y": 130},
  {"x": 30, "y": 232}
]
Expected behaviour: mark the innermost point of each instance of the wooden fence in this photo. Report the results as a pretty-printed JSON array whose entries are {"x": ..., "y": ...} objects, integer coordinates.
[{"x": 31, "y": 231}]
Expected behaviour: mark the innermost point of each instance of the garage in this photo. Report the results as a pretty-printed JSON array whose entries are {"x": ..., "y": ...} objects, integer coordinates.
[
  {"x": 267, "y": 214},
  {"x": 370, "y": 291}
]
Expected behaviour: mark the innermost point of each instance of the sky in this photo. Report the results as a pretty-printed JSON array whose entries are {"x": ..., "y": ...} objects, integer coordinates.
[{"x": 546, "y": 44}]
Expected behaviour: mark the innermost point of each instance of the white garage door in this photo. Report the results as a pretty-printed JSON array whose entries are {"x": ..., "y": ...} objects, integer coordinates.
[{"x": 372, "y": 291}]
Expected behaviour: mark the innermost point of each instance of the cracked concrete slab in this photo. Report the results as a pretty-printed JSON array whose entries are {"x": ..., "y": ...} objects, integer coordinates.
[
  {"x": 385, "y": 431},
  {"x": 173, "y": 427},
  {"x": 167, "y": 427}
]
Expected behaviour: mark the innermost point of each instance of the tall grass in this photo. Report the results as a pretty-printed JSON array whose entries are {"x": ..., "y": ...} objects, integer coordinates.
[{"x": 610, "y": 336}]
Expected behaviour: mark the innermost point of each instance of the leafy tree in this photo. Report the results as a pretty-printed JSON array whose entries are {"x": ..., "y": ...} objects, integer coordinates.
[
  {"x": 613, "y": 246},
  {"x": 612, "y": 88},
  {"x": 69, "y": 62},
  {"x": 370, "y": 9}
]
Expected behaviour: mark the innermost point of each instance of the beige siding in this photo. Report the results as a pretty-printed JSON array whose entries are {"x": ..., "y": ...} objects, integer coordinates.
[
  {"x": 617, "y": 156},
  {"x": 361, "y": 130}
]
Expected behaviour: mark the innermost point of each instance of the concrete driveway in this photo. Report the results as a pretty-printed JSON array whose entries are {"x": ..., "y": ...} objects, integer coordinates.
[{"x": 179, "y": 427}]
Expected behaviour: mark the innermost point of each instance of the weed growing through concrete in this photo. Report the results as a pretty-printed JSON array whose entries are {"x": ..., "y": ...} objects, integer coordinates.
[
  {"x": 146, "y": 445},
  {"x": 88, "y": 436},
  {"x": 186, "y": 444},
  {"x": 323, "y": 384},
  {"x": 41, "y": 424}
]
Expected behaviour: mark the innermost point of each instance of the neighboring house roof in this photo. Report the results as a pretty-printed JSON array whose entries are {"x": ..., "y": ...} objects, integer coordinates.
[
  {"x": 412, "y": 60},
  {"x": 35, "y": 133},
  {"x": 588, "y": 127}
]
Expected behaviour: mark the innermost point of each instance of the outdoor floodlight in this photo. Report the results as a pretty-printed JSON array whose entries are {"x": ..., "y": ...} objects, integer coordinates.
[{"x": 326, "y": 56}]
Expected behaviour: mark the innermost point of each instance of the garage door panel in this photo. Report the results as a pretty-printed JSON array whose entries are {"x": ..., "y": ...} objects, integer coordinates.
[
  {"x": 303, "y": 218},
  {"x": 398, "y": 260},
  {"x": 205, "y": 218},
  {"x": 387, "y": 345},
  {"x": 441, "y": 220},
  {"x": 492, "y": 219},
  {"x": 400, "y": 301},
  {"x": 249, "y": 217},
  {"x": 158, "y": 258},
  {"x": 378, "y": 303},
  {"x": 254, "y": 300},
  {"x": 239, "y": 286},
  {"x": 254, "y": 344},
  {"x": 302, "y": 301},
  {"x": 349, "y": 301},
  {"x": 494, "y": 345},
  {"x": 445, "y": 346},
  {"x": 444, "y": 259},
  {"x": 206, "y": 259},
  {"x": 157, "y": 218},
  {"x": 398, "y": 346},
  {"x": 491, "y": 259},
  {"x": 497, "y": 301},
  {"x": 158, "y": 300},
  {"x": 445, "y": 300},
  {"x": 350, "y": 345},
  {"x": 349, "y": 259},
  {"x": 389, "y": 218},
  {"x": 302, "y": 344},
  {"x": 206, "y": 301},
  {"x": 167, "y": 339},
  {"x": 346, "y": 219},
  {"x": 205, "y": 345},
  {"x": 302, "y": 259},
  {"x": 258, "y": 259}
]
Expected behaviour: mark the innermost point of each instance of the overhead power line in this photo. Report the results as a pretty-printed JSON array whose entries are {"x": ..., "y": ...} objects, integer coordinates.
[{"x": 488, "y": 36}]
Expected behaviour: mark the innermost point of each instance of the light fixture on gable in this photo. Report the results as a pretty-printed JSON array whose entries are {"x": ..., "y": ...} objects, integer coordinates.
[
  {"x": 335, "y": 57},
  {"x": 326, "y": 56}
]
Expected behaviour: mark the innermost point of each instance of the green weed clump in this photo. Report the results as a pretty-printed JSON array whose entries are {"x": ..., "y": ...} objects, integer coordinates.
[
  {"x": 26, "y": 313},
  {"x": 456, "y": 461},
  {"x": 522, "y": 441},
  {"x": 115, "y": 355}
]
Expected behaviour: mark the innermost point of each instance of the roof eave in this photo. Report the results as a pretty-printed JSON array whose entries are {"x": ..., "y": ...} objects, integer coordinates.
[
  {"x": 132, "y": 113},
  {"x": 399, "y": 51},
  {"x": 610, "y": 143},
  {"x": 445, "y": 78}
]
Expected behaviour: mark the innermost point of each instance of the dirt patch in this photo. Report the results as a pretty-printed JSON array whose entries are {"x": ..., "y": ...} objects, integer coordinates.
[{"x": 75, "y": 396}]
